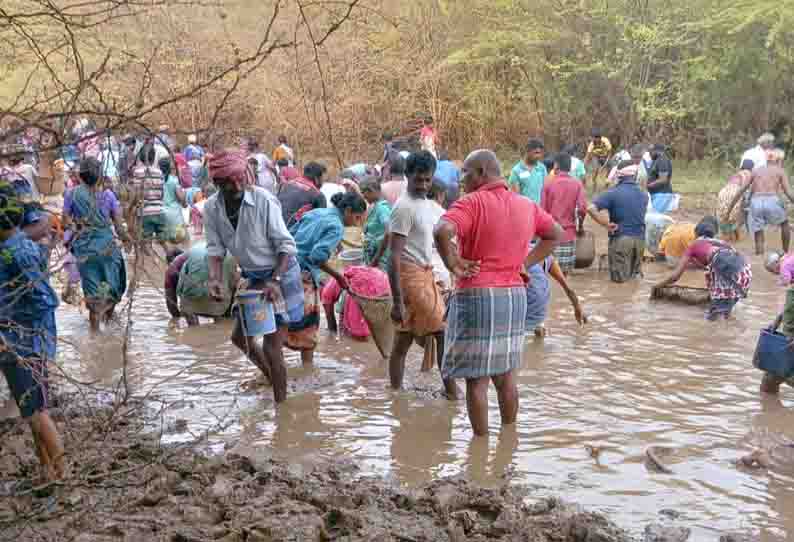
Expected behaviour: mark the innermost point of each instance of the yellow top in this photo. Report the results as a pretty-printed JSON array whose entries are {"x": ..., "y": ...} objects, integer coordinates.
[{"x": 676, "y": 239}]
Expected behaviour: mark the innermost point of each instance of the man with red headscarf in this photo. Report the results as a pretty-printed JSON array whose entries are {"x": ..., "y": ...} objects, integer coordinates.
[{"x": 246, "y": 221}]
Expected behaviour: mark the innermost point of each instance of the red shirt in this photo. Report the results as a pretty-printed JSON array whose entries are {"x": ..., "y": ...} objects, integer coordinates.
[
  {"x": 494, "y": 227},
  {"x": 700, "y": 252},
  {"x": 561, "y": 198}
]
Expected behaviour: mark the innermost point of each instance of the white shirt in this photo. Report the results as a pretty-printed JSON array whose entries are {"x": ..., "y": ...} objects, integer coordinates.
[
  {"x": 261, "y": 234},
  {"x": 329, "y": 189},
  {"x": 757, "y": 155},
  {"x": 415, "y": 218}
]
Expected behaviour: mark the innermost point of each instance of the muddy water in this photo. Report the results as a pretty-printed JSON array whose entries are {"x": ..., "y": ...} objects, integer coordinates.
[{"x": 640, "y": 374}]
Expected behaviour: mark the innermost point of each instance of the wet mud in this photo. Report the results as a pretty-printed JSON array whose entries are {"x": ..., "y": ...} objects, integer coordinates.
[{"x": 125, "y": 485}]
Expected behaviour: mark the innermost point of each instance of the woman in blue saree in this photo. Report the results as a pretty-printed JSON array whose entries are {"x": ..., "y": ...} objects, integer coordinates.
[{"x": 90, "y": 213}]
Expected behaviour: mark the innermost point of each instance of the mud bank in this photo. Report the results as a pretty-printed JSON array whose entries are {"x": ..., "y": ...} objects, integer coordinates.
[{"x": 124, "y": 485}]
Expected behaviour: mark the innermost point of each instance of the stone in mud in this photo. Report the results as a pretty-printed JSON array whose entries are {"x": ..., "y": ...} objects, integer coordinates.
[{"x": 666, "y": 533}]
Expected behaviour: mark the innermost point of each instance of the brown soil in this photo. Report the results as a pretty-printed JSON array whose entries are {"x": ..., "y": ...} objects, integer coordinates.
[{"x": 124, "y": 485}]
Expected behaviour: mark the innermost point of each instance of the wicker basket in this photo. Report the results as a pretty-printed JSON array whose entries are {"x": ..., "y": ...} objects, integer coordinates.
[
  {"x": 377, "y": 313},
  {"x": 681, "y": 294}
]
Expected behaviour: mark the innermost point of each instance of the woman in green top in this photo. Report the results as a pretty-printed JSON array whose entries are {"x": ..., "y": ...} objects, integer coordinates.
[
  {"x": 174, "y": 200},
  {"x": 376, "y": 237}
]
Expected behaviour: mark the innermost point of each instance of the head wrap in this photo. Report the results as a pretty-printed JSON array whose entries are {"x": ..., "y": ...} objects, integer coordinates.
[
  {"x": 766, "y": 139},
  {"x": 231, "y": 164},
  {"x": 191, "y": 138},
  {"x": 626, "y": 171}
]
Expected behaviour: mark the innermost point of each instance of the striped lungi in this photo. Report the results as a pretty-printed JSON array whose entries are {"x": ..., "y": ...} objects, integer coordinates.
[
  {"x": 485, "y": 332},
  {"x": 565, "y": 254}
]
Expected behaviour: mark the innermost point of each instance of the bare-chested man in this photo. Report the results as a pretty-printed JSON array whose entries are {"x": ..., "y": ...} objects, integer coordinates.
[{"x": 766, "y": 204}]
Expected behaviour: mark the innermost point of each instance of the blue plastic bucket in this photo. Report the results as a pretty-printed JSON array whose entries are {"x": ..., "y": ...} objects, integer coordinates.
[
  {"x": 256, "y": 313},
  {"x": 774, "y": 355}
]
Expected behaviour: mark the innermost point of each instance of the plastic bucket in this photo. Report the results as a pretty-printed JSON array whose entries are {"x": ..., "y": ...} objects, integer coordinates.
[
  {"x": 774, "y": 355},
  {"x": 256, "y": 313}
]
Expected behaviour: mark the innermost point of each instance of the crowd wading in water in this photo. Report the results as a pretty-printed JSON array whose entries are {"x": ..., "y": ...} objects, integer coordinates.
[{"x": 463, "y": 257}]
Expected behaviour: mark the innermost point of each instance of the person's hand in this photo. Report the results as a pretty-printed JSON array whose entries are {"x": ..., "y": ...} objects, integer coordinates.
[
  {"x": 397, "y": 313},
  {"x": 581, "y": 317},
  {"x": 215, "y": 289},
  {"x": 612, "y": 227},
  {"x": 269, "y": 292},
  {"x": 465, "y": 268},
  {"x": 343, "y": 282}
]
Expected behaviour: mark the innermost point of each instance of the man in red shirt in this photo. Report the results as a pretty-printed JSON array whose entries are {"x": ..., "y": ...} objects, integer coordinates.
[
  {"x": 564, "y": 200},
  {"x": 486, "y": 315}
]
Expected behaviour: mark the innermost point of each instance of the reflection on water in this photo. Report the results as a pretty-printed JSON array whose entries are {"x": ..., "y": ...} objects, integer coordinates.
[{"x": 639, "y": 374}]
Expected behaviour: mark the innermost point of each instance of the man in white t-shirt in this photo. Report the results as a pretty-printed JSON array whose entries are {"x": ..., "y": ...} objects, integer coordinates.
[
  {"x": 758, "y": 154},
  {"x": 419, "y": 308}
]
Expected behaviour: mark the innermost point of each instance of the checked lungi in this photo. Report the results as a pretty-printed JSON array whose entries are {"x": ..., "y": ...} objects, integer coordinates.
[
  {"x": 565, "y": 254},
  {"x": 485, "y": 332}
]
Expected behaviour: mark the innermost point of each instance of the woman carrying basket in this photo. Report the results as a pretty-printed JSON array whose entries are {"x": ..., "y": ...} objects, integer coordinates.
[
  {"x": 317, "y": 236},
  {"x": 728, "y": 273}
]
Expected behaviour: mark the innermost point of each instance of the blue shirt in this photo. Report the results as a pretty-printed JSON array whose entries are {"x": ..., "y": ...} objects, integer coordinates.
[
  {"x": 448, "y": 173},
  {"x": 317, "y": 235},
  {"x": 627, "y": 205},
  {"x": 27, "y": 301},
  {"x": 193, "y": 152}
]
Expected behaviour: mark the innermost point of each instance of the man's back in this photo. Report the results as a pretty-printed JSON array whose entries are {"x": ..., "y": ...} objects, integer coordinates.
[
  {"x": 768, "y": 180},
  {"x": 563, "y": 199},
  {"x": 627, "y": 205}
]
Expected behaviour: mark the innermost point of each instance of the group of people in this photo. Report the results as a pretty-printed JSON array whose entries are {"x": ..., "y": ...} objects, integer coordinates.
[{"x": 464, "y": 255}]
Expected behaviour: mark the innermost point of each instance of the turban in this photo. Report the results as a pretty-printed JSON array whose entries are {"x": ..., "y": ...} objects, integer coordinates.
[
  {"x": 627, "y": 170},
  {"x": 231, "y": 164}
]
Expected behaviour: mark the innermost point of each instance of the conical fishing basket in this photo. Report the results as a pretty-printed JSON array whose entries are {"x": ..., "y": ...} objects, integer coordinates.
[
  {"x": 681, "y": 294},
  {"x": 377, "y": 313}
]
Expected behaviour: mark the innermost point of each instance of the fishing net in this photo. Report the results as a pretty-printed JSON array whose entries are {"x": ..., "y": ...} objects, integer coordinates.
[
  {"x": 682, "y": 294},
  {"x": 377, "y": 313}
]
